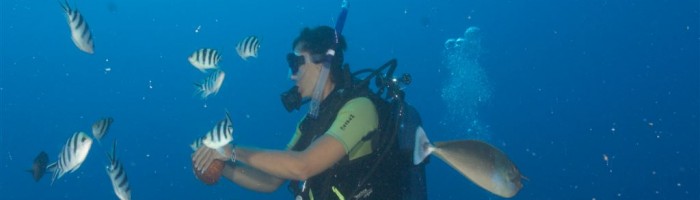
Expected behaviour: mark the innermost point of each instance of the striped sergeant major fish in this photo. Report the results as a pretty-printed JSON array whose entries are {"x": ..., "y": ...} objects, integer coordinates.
[
  {"x": 205, "y": 58},
  {"x": 116, "y": 172},
  {"x": 79, "y": 29},
  {"x": 220, "y": 135},
  {"x": 100, "y": 127},
  {"x": 72, "y": 156},
  {"x": 248, "y": 47},
  {"x": 196, "y": 143},
  {"x": 211, "y": 84}
]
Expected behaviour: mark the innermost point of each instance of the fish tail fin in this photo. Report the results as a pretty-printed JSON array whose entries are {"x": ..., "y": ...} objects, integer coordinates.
[
  {"x": 52, "y": 167},
  {"x": 422, "y": 147},
  {"x": 199, "y": 90},
  {"x": 221, "y": 151},
  {"x": 56, "y": 172}
]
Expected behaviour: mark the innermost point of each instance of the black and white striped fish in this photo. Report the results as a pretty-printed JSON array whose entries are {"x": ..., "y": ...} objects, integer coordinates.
[
  {"x": 100, "y": 127},
  {"x": 116, "y": 172},
  {"x": 220, "y": 135},
  {"x": 205, "y": 58},
  {"x": 79, "y": 29},
  {"x": 248, "y": 47},
  {"x": 211, "y": 84},
  {"x": 196, "y": 143},
  {"x": 72, "y": 156}
]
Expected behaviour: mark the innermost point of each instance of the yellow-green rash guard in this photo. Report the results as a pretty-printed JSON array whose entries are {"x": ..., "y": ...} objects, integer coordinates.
[{"x": 355, "y": 119}]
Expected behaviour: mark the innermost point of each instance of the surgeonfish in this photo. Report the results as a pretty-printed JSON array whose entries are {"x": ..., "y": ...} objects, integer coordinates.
[
  {"x": 483, "y": 164},
  {"x": 100, "y": 127},
  {"x": 116, "y": 172},
  {"x": 79, "y": 29},
  {"x": 39, "y": 166},
  {"x": 196, "y": 144},
  {"x": 211, "y": 84},
  {"x": 248, "y": 47},
  {"x": 72, "y": 156},
  {"x": 220, "y": 135},
  {"x": 205, "y": 59}
]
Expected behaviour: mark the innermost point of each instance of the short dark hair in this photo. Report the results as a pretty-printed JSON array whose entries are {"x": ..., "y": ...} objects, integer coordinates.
[{"x": 318, "y": 40}]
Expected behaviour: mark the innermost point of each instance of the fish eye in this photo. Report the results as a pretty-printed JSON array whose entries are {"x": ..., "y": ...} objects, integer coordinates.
[{"x": 82, "y": 139}]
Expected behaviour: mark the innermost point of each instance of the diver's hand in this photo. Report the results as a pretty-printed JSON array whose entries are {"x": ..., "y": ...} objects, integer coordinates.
[{"x": 204, "y": 156}]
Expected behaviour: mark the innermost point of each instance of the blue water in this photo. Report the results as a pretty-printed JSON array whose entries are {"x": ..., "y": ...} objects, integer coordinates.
[{"x": 571, "y": 82}]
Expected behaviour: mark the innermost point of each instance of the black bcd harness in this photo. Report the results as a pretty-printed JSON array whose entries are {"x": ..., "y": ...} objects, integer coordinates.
[{"x": 386, "y": 173}]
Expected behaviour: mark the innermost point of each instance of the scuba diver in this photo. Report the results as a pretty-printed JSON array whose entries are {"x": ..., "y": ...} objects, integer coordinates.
[
  {"x": 342, "y": 149},
  {"x": 356, "y": 141}
]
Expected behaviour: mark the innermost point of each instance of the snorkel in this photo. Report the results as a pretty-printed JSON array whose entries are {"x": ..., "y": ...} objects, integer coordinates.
[{"x": 326, "y": 69}]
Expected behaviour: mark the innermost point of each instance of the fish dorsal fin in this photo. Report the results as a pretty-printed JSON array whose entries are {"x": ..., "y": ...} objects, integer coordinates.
[
  {"x": 422, "y": 147},
  {"x": 64, "y": 6},
  {"x": 228, "y": 116}
]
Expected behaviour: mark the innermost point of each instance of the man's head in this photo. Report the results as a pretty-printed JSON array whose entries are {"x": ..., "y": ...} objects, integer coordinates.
[
  {"x": 310, "y": 48},
  {"x": 307, "y": 66}
]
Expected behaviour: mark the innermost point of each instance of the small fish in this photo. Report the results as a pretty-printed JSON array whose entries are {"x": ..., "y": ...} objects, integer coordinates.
[
  {"x": 39, "y": 166},
  {"x": 211, "y": 84},
  {"x": 79, "y": 29},
  {"x": 483, "y": 164},
  {"x": 248, "y": 47},
  {"x": 196, "y": 144},
  {"x": 116, "y": 172},
  {"x": 72, "y": 156},
  {"x": 205, "y": 58},
  {"x": 100, "y": 127},
  {"x": 220, "y": 135}
]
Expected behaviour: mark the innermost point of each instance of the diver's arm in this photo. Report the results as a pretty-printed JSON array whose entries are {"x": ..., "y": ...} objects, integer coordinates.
[
  {"x": 272, "y": 164},
  {"x": 251, "y": 178},
  {"x": 295, "y": 165},
  {"x": 354, "y": 120}
]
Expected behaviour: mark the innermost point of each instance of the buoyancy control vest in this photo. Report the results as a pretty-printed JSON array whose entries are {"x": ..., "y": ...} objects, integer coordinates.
[{"x": 386, "y": 173}]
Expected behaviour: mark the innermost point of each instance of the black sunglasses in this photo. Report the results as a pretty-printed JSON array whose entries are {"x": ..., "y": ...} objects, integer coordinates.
[{"x": 296, "y": 61}]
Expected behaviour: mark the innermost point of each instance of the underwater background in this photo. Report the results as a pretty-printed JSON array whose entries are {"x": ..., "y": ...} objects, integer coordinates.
[{"x": 591, "y": 99}]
